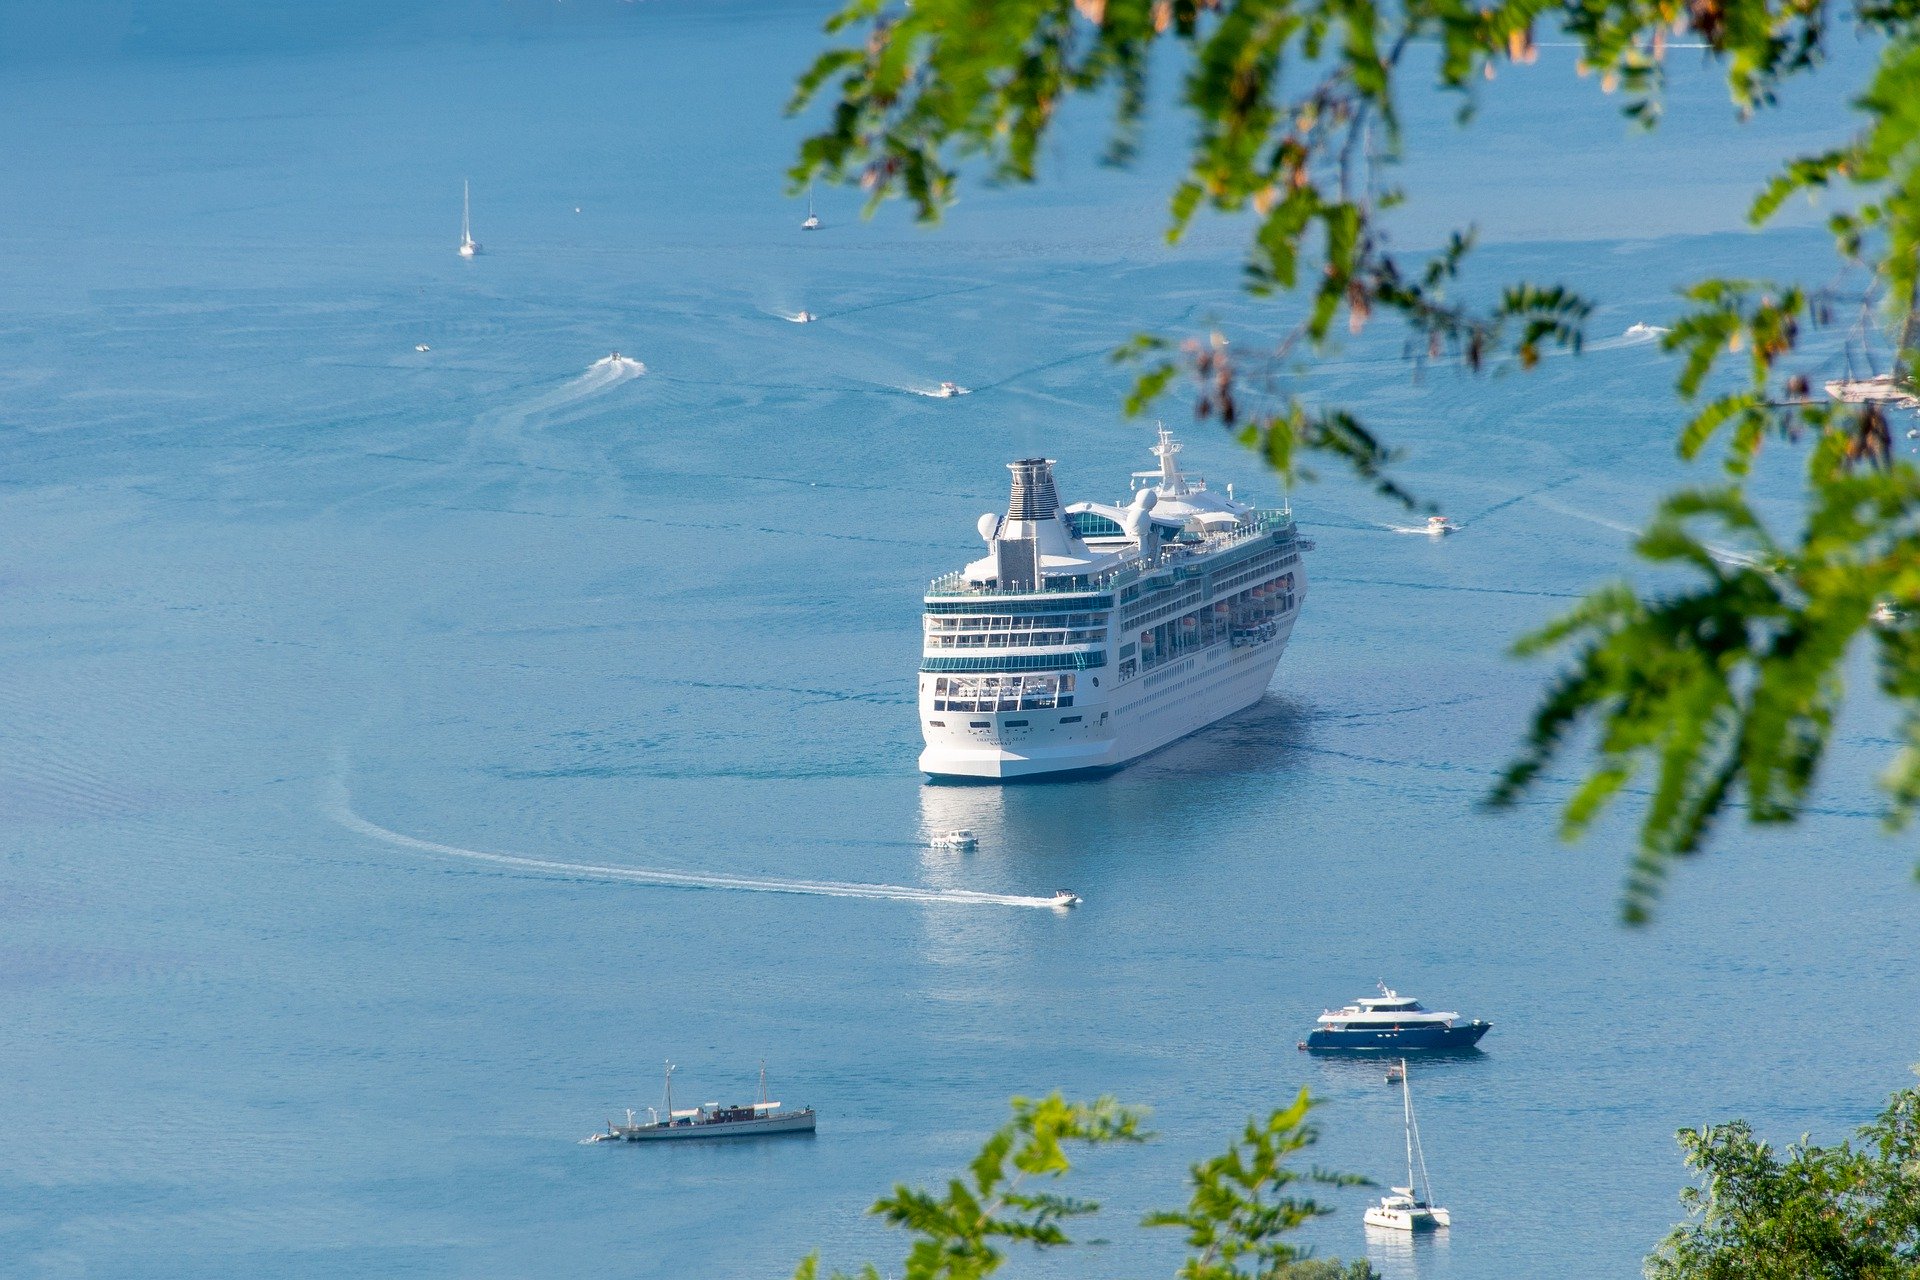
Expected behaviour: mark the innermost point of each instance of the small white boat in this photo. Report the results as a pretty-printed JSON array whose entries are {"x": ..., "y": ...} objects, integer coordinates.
[
  {"x": 1885, "y": 614},
  {"x": 1402, "y": 1210},
  {"x": 1879, "y": 389},
  {"x": 804, "y": 317},
  {"x": 1064, "y": 899},
  {"x": 813, "y": 219},
  {"x": 468, "y": 245},
  {"x": 1641, "y": 330},
  {"x": 1440, "y": 526},
  {"x": 947, "y": 391},
  {"x": 958, "y": 838},
  {"x": 421, "y": 346}
]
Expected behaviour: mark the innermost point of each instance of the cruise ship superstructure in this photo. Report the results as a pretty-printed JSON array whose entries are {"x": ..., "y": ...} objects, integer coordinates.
[{"x": 1090, "y": 635}]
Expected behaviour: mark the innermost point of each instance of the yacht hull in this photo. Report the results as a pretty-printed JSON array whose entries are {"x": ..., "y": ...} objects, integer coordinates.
[
  {"x": 1403, "y": 1040},
  {"x": 733, "y": 1129}
]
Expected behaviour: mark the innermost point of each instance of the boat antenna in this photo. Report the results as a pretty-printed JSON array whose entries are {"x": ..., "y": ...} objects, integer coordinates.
[
  {"x": 763, "y": 1079},
  {"x": 669, "y": 1091}
]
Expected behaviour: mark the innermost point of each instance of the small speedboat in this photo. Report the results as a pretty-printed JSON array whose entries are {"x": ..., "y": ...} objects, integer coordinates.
[
  {"x": 1640, "y": 330},
  {"x": 1063, "y": 898},
  {"x": 1402, "y": 1210},
  {"x": 1440, "y": 526},
  {"x": 421, "y": 346},
  {"x": 614, "y": 357},
  {"x": 468, "y": 245},
  {"x": 1884, "y": 613},
  {"x": 958, "y": 838},
  {"x": 805, "y": 317},
  {"x": 948, "y": 390}
]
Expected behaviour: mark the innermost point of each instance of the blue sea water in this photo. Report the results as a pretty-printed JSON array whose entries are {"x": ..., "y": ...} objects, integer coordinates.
[{"x": 292, "y": 614}]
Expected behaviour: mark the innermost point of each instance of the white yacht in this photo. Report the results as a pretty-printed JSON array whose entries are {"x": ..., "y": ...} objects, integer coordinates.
[
  {"x": 958, "y": 838},
  {"x": 1090, "y": 635},
  {"x": 468, "y": 245},
  {"x": 1401, "y": 1209}
]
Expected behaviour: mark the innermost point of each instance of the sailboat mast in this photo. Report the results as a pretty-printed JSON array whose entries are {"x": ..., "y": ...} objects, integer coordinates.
[
  {"x": 1413, "y": 1138},
  {"x": 466, "y": 210},
  {"x": 1406, "y": 1105},
  {"x": 669, "y": 1092}
]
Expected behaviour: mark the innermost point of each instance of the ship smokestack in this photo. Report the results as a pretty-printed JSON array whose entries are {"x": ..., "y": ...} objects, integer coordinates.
[{"x": 1033, "y": 494}]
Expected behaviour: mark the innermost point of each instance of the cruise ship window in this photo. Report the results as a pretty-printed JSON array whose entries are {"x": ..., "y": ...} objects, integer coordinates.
[
  {"x": 1016, "y": 724},
  {"x": 938, "y": 724},
  {"x": 1069, "y": 719},
  {"x": 979, "y": 724}
]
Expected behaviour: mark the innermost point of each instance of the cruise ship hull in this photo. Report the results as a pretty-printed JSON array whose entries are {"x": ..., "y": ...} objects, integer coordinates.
[
  {"x": 1148, "y": 713},
  {"x": 1399, "y": 1040}
]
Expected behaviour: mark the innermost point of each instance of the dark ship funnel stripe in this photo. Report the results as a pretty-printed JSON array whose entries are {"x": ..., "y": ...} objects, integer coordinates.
[{"x": 1033, "y": 494}]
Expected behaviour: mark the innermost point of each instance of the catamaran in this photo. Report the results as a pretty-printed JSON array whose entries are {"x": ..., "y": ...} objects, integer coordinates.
[
  {"x": 1402, "y": 1210},
  {"x": 468, "y": 245},
  {"x": 708, "y": 1120}
]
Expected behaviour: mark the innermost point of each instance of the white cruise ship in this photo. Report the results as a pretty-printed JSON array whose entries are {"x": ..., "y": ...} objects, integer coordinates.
[{"x": 1089, "y": 636}]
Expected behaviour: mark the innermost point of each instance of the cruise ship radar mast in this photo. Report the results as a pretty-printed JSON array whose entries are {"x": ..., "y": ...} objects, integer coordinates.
[{"x": 1172, "y": 483}]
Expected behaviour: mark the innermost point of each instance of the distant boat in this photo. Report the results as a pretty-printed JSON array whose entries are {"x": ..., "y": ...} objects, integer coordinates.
[
  {"x": 813, "y": 220},
  {"x": 421, "y": 346},
  {"x": 1402, "y": 1210},
  {"x": 709, "y": 1120},
  {"x": 803, "y": 317},
  {"x": 468, "y": 245},
  {"x": 1641, "y": 330},
  {"x": 947, "y": 391},
  {"x": 958, "y": 838},
  {"x": 1390, "y": 1021},
  {"x": 1440, "y": 526},
  {"x": 1065, "y": 898}
]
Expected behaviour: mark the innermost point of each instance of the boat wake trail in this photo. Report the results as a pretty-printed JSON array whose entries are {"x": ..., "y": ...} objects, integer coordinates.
[{"x": 338, "y": 805}]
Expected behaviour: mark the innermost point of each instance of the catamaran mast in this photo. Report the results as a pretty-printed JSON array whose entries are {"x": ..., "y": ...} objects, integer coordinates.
[{"x": 1413, "y": 1141}]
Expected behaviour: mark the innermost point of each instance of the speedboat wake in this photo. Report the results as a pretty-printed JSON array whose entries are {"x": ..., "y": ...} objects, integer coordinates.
[{"x": 338, "y": 806}]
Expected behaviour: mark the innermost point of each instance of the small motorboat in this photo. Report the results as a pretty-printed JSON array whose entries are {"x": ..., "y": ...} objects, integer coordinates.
[
  {"x": 614, "y": 357},
  {"x": 468, "y": 245},
  {"x": 1440, "y": 526},
  {"x": 957, "y": 838},
  {"x": 1063, "y": 898},
  {"x": 1641, "y": 330},
  {"x": 1397, "y": 1072},
  {"x": 805, "y": 317},
  {"x": 1402, "y": 1210},
  {"x": 1885, "y": 613},
  {"x": 948, "y": 390},
  {"x": 421, "y": 346}
]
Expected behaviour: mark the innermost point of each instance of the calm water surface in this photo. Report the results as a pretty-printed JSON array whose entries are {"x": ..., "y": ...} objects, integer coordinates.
[{"x": 294, "y": 613}]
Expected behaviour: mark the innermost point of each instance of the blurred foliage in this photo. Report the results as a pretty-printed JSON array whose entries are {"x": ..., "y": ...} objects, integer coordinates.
[
  {"x": 1847, "y": 1212},
  {"x": 1242, "y": 1203},
  {"x": 1721, "y": 681}
]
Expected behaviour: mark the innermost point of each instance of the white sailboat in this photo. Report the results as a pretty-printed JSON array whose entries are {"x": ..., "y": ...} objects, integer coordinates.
[
  {"x": 1402, "y": 1210},
  {"x": 813, "y": 219},
  {"x": 1898, "y": 389},
  {"x": 468, "y": 245}
]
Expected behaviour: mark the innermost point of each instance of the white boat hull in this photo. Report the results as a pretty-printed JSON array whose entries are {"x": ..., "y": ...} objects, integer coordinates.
[
  {"x": 1105, "y": 728},
  {"x": 799, "y": 1122},
  {"x": 1407, "y": 1219}
]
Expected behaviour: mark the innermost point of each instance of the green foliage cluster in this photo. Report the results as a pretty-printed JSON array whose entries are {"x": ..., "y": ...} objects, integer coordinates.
[
  {"x": 1722, "y": 688},
  {"x": 1243, "y": 1202},
  {"x": 1847, "y": 1212}
]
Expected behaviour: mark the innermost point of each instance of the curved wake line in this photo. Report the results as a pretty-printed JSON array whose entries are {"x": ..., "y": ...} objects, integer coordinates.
[{"x": 339, "y": 807}]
